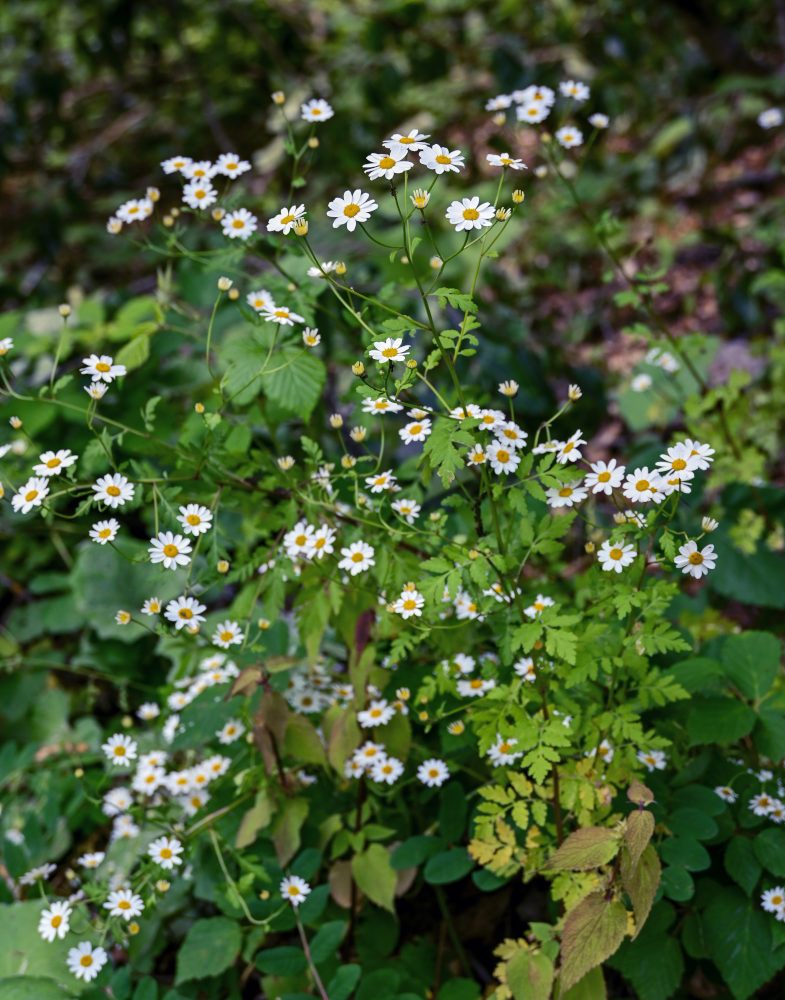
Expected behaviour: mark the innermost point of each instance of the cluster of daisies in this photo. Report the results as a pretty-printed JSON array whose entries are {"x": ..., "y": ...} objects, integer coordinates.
[{"x": 534, "y": 104}]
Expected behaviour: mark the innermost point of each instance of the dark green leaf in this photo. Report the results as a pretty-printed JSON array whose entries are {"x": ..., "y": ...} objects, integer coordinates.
[
  {"x": 687, "y": 822},
  {"x": 415, "y": 850},
  {"x": 751, "y": 661},
  {"x": 284, "y": 961},
  {"x": 343, "y": 982},
  {"x": 677, "y": 884},
  {"x": 741, "y": 863},
  {"x": 739, "y": 940},
  {"x": 685, "y": 852},
  {"x": 211, "y": 946},
  {"x": 449, "y": 866},
  {"x": 326, "y": 941},
  {"x": 769, "y": 846},
  {"x": 719, "y": 720}
]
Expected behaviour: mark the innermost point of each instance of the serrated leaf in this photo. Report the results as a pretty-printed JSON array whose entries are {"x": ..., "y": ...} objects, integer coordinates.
[
  {"x": 640, "y": 882},
  {"x": 741, "y": 863},
  {"x": 211, "y": 946},
  {"x": 294, "y": 379},
  {"x": 751, "y": 662},
  {"x": 738, "y": 934},
  {"x": 375, "y": 876},
  {"x": 591, "y": 847},
  {"x": 529, "y": 975},
  {"x": 593, "y": 930},
  {"x": 638, "y": 828}
]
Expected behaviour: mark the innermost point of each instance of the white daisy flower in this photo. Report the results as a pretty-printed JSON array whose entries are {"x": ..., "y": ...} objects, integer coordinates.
[
  {"x": 571, "y": 88},
  {"x": 114, "y": 490},
  {"x": 614, "y": 556},
  {"x": 701, "y": 454},
  {"x": 176, "y": 164},
  {"x": 195, "y": 518},
  {"x": 281, "y": 315},
  {"x": 135, "y": 210},
  {"x": 409, "y": 604},
  {"x": 357, "y": 557},
  {"x": 197, "y": 170},
  {"x": 294, "y": 889},
  {"x": 565, "y": 496},
  {"x": 311, "y": 337},
  {"x": 285, "y": 219},
  {"x": 85, "y": 961},
  {"x": 32, "y": 494},
  {"x": 502, "y": 457},
  {"x": 260, "y": 300},
  {"x": 104, "y": 531},
  {"x": 230, "y": 732},
  {"x": 101, "y": 367},
  {"x": 604, "y": 752},
  {"x": 389, "y": 350},
  {"x": 569, "y": 136},
  {"x": 505, "y": 160},
  {"x": 726, "y": 793},
  {"x": 770, "y": 118},
  {"x": 491, "y": 419},
  {"x": 604, "y": 477},
  {"x": 380, "y": 482},
  {"x": 380, "y": 405},
  {"x": 538, "y": 605},
  {"x": 42, "y": 872},
  {"x": 773, "y": 900},
  {"x": 152, "y": 606},
  {"x": 316, "y": 110},
  {"x": 532, "y": 112},
  {"x": 116, "y": 801},
  {"x": 406, "y": 508},
  {"x": 166, "y": 851},
  {"x": 91, "y": 860},
  {"x": 471, "y": 411},
  {"x": 599, "y": 120},
  {"x": 468, "y": 214},
  {"x": 299, "y": 542},
  {"x": 230, "y": 165},
  {"x": 476, "y": 455},
  {"x": 417, "y": 430},
  {"x": 124, "y": 903},
  {"x": 694, "y": 561},
  {"x": 761, "y": 804},
  {"x": 227, "y": 634},
  {"x": 55, "y": 921},
  {"x": 499, "y": 103},
  {"x": 185, "y": 611},
  {"x": 655, "y": 760},
  {"x": 96, "y": 390},
  {"x": 387, "y": 164},
  {"x": 6, "y": 344},
  {"x": 413, "y": 140},
  {"x": 535, "y": 94},
  {"x": 386, "y": 771},
  {"x": 378, "y": 713},
  {"x": 570, "y": 450},
  {"x": 170, "y": 549},
  {"x": 324, "y": 541},
  {"x": 239, "y": 224},
  {"x": 325, "y": 267},
  {"x": 441, "y": 159},
  {"x": 350, "y": 209},
  {"x": 433, "y": 772},
  {"x": 199, "y": 194},
  {"x": 52, "y": 463},
  {"x": 502, "y": 752},
  {"x": 120, "y": 749},
  {"x": 642, "y": 486}
]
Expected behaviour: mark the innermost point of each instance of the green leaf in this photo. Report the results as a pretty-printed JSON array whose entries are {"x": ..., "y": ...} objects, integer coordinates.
[
  {"x": 768, "y": 736},
  {"x": 641, "y": 881},
  {"x": 750, "y": 578},
  {"x": 134, "y": 353},
  {"x": 413, "y": 851},
  {"x": 698, "y": 674},
  {"x": 146, "y": 989},
  {"x": 210, "y": 947},
  {"x": 375, "y": 876},
  {"x": 685, "y": 852},
  {"x": 718, "y": 720},
  {"x": 326, "y": 941},
  {"x": 687, "y": 822},
  {"x": 343, "y": 982},
  {"x": 637, "y": 833},
  {"x": 302, "y": 741},
  {"x": 449, "y": 866},
  {"x": 593, "y": 930},
  {"x": 453, "y": 810},
  {"x": 738, "y": 935},
  {"x": 32, "y": 988},
  {"x": 769, "y": 846},
  {"x": 591, "y": 847},
  {"x": 653, "y": 962},
  {"x": 23, "y": 949},
  {"x": 255, "y": 819},
  {"x": 751, "y": 661},
  {"x": 530, "y": 975},
  {"x": 591, "y": 987},
  {"x": 459, "y": 989},
  {"x": 284, "y": 961},
  {"x": 741, "y": 863},
  {"x": 297, "y": 383},
  {"x": 677, "y": 884},
  {"x": 456, "y": 298},
  {"x": 700, "y": 797}
]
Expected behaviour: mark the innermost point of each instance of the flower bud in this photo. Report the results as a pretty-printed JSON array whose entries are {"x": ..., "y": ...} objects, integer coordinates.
[
  {"x": 358, "y": 368},
  {"x": 574, "y": 392},
  {"x": 224, "y": 284},
  {"x": 358, "y": 434},
  {"x": 518, "y": 196},
  {"x": 153, "y": 194},
  {"x": 234, "y": 295},
  {"x": 222, "y": 566},
  {"x": 313, "y": 142},
  {"x": 336, "y": 420},
  {"x": 348, "y": 461},
  {"x": 199, "y": 407},
  {"x": 340, "y": 268},
  {"x": 278, "y": 97},
  {"x": 301, "y": 227},
  {"x": 168, "y": 221},
  {"x": 64, "y": 310}
]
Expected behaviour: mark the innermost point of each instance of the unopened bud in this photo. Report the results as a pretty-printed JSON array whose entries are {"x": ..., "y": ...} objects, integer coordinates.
[
  {"x": 313, "y": 142},
  {"x": 224, "y": 284},
  {"x": 336, "y": 420},
  {"x": 222, "y": 566},
  {"x": 278, "y": 97},
  {"x": 358, "y": 368},
  {"x": 64, "y": 310},
  {"x": 518, "y": 196}
]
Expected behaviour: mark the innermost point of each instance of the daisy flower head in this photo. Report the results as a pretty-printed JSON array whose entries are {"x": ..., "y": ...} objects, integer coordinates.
[
  {"x": 91, "y": 860},
  {"x": 316, "y": 110},
  {"x": 509, "y": 387},
  {"x": 124, "y": 903},
  {"x": 655, "y": 760},
  {"x": 532, "y": 112},
  {"x": 468, "y": 214},
  {"x": 695, "y": 562},
  {"x": 32, "y": 494},
  {"x": 433, "y": 772},
  {"x": 574, "y": 89},
  {"x": 52, "y": 463},
  {"x": 230, "y": 165},
  {"x": 227, "y": 634},
  {"x": 357, "y": 557},
  {"x": 299, "y": 542},
  {"x": 148, "y": 710},
  {"x": 199, "y": 193},
  {"x": 642, "y": 486},
  {"x": 380, "y": 482},
  {"x": 170, "y": 549},
  {"x": 413, "y": 140},
  {"x": 408, "y": 509},
  {"x": 311, "y": 337},
  {"x": 614, "y": 556},
  {"x": 678, "y": 460},
  {"x": 476, "y": 455},
  {"x": 604, "y": 477},
  {"x": 773, "y": 900},
  {"x": 378, "y": 713},
  {"x": 176, "y": 164},
  {"x": 525, "y": 668},
  {"x": 55, "y": 921},
  {"x": 474, "y": 688},
  {"x": 294, "y": 889},
  {"x": 120, "y": 749},
  {"x": 565, "y": 496},
  {"x": 726, "y": 794},
  {"x": 709, "y": 524},
  {"x": 135, "y": 210},
  {"x": 504, "y": 459},
  {"x": 770, "y": 118},
  {"x": 569, "y": 136},
  {"x": 350, "y": 209},
  {"x": 166, "y": 851},
  {"x": 281, "y": 315},
  {"x": 6, "y": 344},
  {"x": 538, "y": 605},
  {"x": 85, "y": 961},
  {"x": 570, "y": 450},
  {"x": 324, "y": 541},
  {"x": 195, "y": 518},
  {"x": 386, "y": 771},
  {"x": 604, "y": 752},
  {"x": 285, "y": 219},
  {"x": 599, "y": 120},
  {"x": 409, "y": 604},
  {"x": 381, "y": 405},
  {"x": 230, "y": 732},
  {"x": 104, "y": 531},
  {"x": 417, "y": 430},
  {"x": 185, "y": 611},
  {"x": 441, "y": 159},
  {"x": 101, "y": 368},
  {"x": 701, "y": 454},
  {"x": 113, "y": 489},
  {"x": 239, "y": 224},
  {"x": 761, "y": 804},
  {"x": 502, "y": 752},
  {"x": 499, "y": 103},
  {"x": 387, "y": 164},
  {"x": 505, "y": 160},
  {"x": 152, "y": 606},
  {"x": 536, "y": 95},
  {"x": 39, "y": 872},
  {"x": 260, "y": 300},
  {"x": 96, "y": 390},
  {"x": 389, "y": 350},
  {"x": 198, "y": 170}
]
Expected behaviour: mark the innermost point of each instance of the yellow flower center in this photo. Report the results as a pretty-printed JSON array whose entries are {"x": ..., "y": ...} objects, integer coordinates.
[
  {"x": 642, "y": 485},
  {"x": 315, "y": 111},
  {"x": 53, "y": 463},
  {"x": 357, "y": 557},
  {"x": 227, "y": 636},
  {"x": 433, "y": 772},
  {"x": 415, "y": 428},
  {"x": 287, "y": 219},
  {"x": 258, "y": 303},
  {"x": 441, "y": 158},
  {"x": 478, "y": 456},
  {"x": 380, "y": 481},
  {"x": 351, "y": 210},
  {"x": 113, "y": 491},
  {"x": 123, "y": 905},
  {"x": 502, "y": 455},
  {"x": 200, "y": 193},
  {"x": 199, "y": 172},
  {"x": 390, "y": 352},
  {"x": 194, "y": 519},
  {"x": 185, "y": 613},
  {"x": 166, "y": 853},
  {"x": 86, "y": 961},
  {"x": 386, "y": 162},
  {"x": 56, "y": 920},
  {"x": 678, "y": 465},
  {"x": 696, "y": 558},
  {"x": 133, "y": 210},
  {"x": 282, "y": 313},
  {"x": 568, "y": 447},
  {"x": 565, "y": 491},
  {"x": 603, "y": 477},
  {"x": 232, "y": 166},
  {"x": 475, "y": 684},
  {"x": 102, "y": 366},
  {"x": 237, "y": 223},
  {"x": 380, "y": 404},
  {"x": 170, "y": 550},
  {"x": 471, "y": 214},
  {"x": 375, "y": 713},
  {"x": 505, "y": 747},
  {"x": 409, "y": 604},
  {"x": 119, "y": 751},
  {"x": 615, "y": 553},
  {"x": 300, "y": 540},
  {"x": 104, "y": 532},
  {"x": 405, "y": 140},
  {"x": 293, "y": 890},
  {"x": 31, "y": 495}
]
